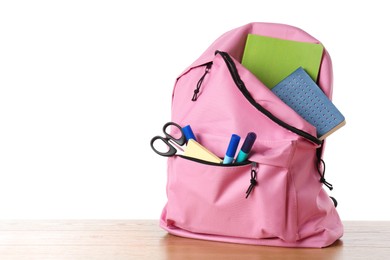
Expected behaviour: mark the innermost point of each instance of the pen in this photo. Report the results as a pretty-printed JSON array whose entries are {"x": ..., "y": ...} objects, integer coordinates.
[
  {"x": 246, "y": 147},
  {"x": 232, "y": 148}
]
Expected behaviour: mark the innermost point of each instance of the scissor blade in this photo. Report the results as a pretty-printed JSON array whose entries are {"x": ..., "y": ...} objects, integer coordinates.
[{"x": 180, "y": 148}]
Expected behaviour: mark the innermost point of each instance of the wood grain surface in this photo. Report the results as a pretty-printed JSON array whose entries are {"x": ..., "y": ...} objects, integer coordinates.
[{"x": 144, "y": 239}]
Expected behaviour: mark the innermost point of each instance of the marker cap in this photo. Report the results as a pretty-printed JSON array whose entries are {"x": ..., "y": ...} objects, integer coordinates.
[
  {"x": 248, "y": 143},
  {"x": 232, "y": 148},
  {"x": 187, "y": 131}
]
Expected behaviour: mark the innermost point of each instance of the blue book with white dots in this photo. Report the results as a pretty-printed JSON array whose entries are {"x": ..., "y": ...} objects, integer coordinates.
[{"x": 303, "y": 95}]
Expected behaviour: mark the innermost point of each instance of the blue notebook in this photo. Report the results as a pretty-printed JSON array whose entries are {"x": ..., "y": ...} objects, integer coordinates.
[{"x": 302, "y": 94}]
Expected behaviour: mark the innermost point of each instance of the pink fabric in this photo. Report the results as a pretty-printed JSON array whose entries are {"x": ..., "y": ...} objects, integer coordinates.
[{"x": 288, "y": 207}]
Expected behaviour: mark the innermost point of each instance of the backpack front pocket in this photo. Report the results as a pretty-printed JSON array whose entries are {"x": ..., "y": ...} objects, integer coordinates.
[{"x": 211, "y": 199}]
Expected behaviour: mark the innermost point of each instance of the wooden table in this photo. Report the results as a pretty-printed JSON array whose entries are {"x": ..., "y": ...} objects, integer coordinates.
[{"x": 143, "y": 239}]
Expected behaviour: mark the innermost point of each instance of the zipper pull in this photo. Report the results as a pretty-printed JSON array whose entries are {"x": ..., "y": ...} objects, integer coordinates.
[
  {"x": 253, "y": 179},
  {"x": 199, "y": 84}
]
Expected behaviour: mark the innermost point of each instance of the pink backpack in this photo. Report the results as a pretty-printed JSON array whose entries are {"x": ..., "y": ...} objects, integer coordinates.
[{"x": 276, "y": 198}]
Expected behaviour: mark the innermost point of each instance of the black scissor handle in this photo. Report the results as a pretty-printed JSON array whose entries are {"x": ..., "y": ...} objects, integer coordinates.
[
  {"x": 172, "y": 150},
  {"x": 181, "y": 140}
]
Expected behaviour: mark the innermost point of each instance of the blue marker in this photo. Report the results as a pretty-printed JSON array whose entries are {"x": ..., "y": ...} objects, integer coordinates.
[
  {"x": 187, "y": 131},
  {"x": 246, "y": 147},
  {"x": 232, "y": 148}
]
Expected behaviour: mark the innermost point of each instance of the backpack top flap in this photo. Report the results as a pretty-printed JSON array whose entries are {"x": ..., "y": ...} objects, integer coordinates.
[{"x": 233, "y": 42}]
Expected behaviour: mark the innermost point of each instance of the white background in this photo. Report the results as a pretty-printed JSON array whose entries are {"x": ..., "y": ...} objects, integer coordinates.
[{"x": 84, "y": 85}]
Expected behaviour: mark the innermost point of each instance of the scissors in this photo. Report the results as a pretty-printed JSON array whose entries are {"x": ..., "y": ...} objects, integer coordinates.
[{"x": 173, "y": 144}]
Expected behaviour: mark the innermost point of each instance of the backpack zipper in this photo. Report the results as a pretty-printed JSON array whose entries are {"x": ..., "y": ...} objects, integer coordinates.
[
  {"x": 253, "y": 180},
  {"x": 253, "y": 170},
  {"x": 241, "y": 86},
  {"x": 213, "y": 163},
  {"x": 199, "y": 84}
]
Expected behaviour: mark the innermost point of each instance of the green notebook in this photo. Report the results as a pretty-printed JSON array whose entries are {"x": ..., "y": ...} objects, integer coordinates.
[{"x": 273, "y": 59}]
